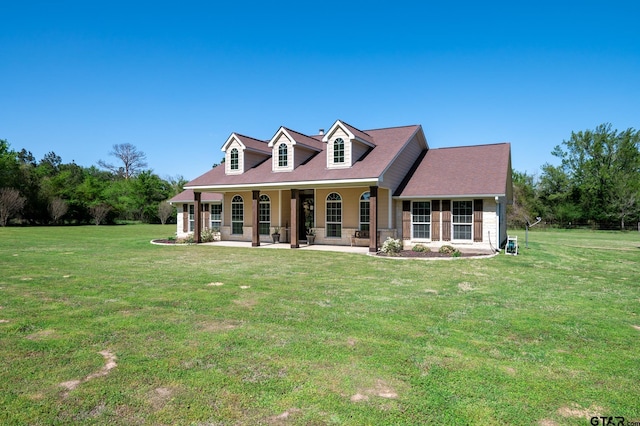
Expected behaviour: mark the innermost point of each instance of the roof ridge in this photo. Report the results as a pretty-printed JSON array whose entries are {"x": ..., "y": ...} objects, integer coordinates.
[
  {"x": 392, "y": 127},
  {"x": 472, "y": 146},
  {"x": 354, "y": 127},
  {"x": 251, "y": 137}
]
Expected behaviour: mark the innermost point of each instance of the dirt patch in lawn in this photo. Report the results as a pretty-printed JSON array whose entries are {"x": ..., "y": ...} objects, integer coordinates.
[
  {"x": 110, "y": 364},
  {"x": 381, "y": 389},
  {"x": 43, "y": 334},
  {"x": 219, "y": 325},
  {"x": 159, "y": 397},
  {"x": 576, "y": 411}
]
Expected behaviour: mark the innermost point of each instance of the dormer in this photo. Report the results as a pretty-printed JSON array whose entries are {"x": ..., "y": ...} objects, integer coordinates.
[
  {"x": 241, "y": 153},
  {"x": 289, "y": 149},
  {"x": 345, "y": 145}
]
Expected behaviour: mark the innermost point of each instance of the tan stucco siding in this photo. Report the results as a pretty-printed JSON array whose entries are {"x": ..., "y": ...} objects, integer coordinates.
[
  {"x": 398, "y": 170},
  {"x": 383, "y": 208},
  {"x": 350, "y": 207}
]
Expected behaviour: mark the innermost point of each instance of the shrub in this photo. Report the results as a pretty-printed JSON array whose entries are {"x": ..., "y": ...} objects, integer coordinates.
[
  {"x": 189, "y": 239},
  {"x": 421, "y": 248},
  {"x": 391, "y": 246},
  {"x": 447, "y": 249},
  {"x": 206, "y": 236}
]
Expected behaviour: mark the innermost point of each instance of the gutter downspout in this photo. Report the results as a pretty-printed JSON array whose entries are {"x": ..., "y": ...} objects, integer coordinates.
[{"x": 498, "y": 223}]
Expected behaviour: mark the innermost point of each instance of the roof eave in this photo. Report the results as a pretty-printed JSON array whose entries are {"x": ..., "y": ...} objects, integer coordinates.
[{"x": 333, "y": 183}]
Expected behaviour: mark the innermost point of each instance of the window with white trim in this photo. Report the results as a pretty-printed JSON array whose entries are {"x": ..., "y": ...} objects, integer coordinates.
[
  {"x": 421, "y": 220},
  {"x": 364, "y": 211},
  {"x": 334, "y": 215},
  {"x": 235, "y": 163},
  {"x": 338, "y": 151},
  {"x": 264, "y": 215},
  {"x": 192, "y": 218},
  {"x": 216, "y": 217},
  {"x": 283, "y": 155},
  {"x": 237, "y": 215},
  {"x": 462, "y": 220}
]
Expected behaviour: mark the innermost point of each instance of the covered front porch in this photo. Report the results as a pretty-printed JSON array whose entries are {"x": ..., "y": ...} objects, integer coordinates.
[{"x": 333, "y": 215}]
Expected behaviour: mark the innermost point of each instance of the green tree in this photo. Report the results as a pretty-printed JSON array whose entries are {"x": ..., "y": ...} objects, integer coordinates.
[
  {"x": 596, "y": 162},
  {"x": 8, "y": 166},
  {"x": 526, "y": 204}
]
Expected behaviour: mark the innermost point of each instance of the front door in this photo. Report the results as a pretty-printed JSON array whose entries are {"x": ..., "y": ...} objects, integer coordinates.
[{"x": 305, "y": 214}]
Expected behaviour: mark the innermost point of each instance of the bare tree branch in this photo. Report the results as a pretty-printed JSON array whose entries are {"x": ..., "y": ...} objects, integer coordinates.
[
  {"x": 133, "y": 161},
  {"x": 99, "y": 212},
  {"x": 58, "y": 208},
  {"x": 11, "y": 202},
  {"x": 165, "y": 210}
]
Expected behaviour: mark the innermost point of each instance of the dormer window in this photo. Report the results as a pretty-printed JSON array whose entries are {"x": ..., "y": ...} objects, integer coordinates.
[
  {"x": 283, "y": 153},
  {"x": 234, "y": 159},
  {"x": 338, "y": 151}
]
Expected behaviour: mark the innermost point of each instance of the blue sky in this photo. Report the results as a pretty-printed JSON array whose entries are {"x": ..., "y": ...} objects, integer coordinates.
[{"x": 176, "y": 79}]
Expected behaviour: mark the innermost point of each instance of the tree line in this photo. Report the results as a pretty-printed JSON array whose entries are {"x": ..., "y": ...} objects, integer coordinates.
[
  {"x": 596, "y": 184},
  {"x": 50, "y": 191}
]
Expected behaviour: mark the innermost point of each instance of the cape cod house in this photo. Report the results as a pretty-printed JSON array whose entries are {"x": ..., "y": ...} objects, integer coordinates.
[{"x": 352, "y": 186}]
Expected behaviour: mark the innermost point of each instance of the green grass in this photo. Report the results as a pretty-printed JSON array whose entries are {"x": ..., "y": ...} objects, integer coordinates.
[{"x": 547, "y": 337}]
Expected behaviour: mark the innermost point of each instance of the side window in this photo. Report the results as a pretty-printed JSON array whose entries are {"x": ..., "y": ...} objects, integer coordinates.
[
  {"x": 462, "y": 220},
  {"x": 421, "y": 219},
  {"x": 192, "y": 218},
  {"x": 216, "y": 217}
]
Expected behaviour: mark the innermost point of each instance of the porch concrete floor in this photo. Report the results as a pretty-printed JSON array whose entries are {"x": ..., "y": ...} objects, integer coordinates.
[{"x": 323, "y": 247}]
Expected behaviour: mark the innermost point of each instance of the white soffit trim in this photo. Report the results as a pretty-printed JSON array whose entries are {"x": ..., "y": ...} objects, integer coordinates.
[{"x": 438, "y": 197}]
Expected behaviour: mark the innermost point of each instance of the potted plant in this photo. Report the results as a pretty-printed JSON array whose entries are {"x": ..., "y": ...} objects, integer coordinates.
[
  {"x": 311, "y": 236},
  {"x": 276, "y": 234}
]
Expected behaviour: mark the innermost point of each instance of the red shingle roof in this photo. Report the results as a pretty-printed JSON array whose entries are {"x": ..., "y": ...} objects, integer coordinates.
[
  {"x": 461, "y": 171},
  {"x": 187, "y": 196}
]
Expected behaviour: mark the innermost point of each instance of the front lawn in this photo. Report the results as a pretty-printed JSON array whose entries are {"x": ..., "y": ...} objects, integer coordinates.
[{"x": 98, "y": 326}]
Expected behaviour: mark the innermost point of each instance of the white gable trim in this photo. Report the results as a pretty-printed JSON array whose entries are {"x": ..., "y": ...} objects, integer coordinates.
[
  {"x": 230, "y": 140},
  {"x": 280, "y": 131},
  {"x": 340, "y": 124}
]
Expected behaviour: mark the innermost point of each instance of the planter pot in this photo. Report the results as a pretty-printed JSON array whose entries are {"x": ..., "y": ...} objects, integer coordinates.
[
  {"x": 311, "y": 239},
  {"x": 276, "y": 238}
]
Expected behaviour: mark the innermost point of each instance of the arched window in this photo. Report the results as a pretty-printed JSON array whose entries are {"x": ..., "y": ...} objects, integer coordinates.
[
  {"x": 264, "y": 215},
  {"x": 283, "y": 158},
  {"x": 364, "y": 211},
  {"x": 234, "y": 159},
  {"x": 334, "y": 215},
  {"x": 237, "y": 214},
  {"x": 338, "y": 151}
]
